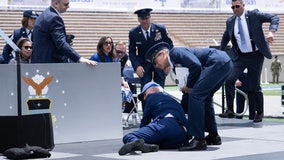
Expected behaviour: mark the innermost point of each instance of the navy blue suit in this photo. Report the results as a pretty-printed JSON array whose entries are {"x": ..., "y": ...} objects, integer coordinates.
[
  {"x": 208, "y": 69},
  {"x": 240, "y": 99},
  {"x": 155, "y": 128},
  {"x": 252, "y": 61},
  {"x": 7, "y": 50},
  {"x": 50, "y": 45},
  {"x": 138, "y": 44}
]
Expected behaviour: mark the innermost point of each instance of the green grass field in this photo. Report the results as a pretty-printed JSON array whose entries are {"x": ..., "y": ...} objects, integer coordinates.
[
  {"x": 272, "y": 89},
  {"x": 267, "y": 89}
]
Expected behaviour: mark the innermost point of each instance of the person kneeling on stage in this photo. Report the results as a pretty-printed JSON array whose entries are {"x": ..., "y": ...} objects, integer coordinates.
[{"x": 163, "y": 125}]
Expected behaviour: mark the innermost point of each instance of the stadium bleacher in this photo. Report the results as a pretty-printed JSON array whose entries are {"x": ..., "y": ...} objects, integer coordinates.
[{"x": 186, "y": 29}]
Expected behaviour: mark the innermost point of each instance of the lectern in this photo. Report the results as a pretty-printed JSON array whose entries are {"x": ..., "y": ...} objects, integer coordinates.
[{"x": 32, "y": 129}]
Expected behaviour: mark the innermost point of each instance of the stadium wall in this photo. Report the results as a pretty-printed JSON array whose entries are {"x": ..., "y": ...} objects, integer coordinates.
[{"x": 157, "y": 5}]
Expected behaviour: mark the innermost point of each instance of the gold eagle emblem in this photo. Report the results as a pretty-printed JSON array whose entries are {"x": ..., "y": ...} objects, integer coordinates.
[{"x": 38, "y": 87}]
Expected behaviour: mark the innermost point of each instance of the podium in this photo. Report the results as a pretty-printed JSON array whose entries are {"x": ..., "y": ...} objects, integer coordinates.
[{"x": 19, "y": 130}]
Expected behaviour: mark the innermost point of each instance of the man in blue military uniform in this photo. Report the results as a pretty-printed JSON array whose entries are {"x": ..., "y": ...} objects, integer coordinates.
[
  {"x": 25, "y": 31},
  {"x": 208, "y": 69},
  {"x": 141, "y": 38},
  {"x": 163, "y": 124}
]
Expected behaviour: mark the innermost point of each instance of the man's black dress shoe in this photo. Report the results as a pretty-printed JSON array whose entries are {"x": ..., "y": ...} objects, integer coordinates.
[
  {"x": 138, "y": 145},
  {"x": 145, "y": 148},
  {"x": 213, "y": 140},
  {"x": 194, "y": 145},
  {"x": 258, "y": 118},
  {"x": 227, "y": 114},
  {"x": 130, "y": 147}
]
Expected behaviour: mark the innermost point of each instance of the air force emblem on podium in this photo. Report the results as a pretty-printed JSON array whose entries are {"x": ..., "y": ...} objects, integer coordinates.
[{"x": 38, "y": 88}]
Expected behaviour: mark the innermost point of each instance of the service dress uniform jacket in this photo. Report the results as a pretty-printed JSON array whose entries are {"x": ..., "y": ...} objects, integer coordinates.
[
  {"x": 7, "y": 50},
  {"x": 208, "y": 69},
  {"x": 50, "y": 45},
  {"x": 163, "y": 123},
  {"x": 138, "y": 46}
]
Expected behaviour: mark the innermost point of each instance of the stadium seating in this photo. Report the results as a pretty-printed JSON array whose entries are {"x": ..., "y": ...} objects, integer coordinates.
[{"x": 186, "y": 29}]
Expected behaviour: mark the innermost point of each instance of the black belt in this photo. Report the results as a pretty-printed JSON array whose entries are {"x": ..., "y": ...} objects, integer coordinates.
[{"x": 250, "y": 53}]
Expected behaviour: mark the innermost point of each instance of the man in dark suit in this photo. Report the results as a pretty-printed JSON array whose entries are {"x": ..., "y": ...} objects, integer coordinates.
[
  {"x": 163, "y": 124},
  {"x": 244, "y": 30},
  {"x": 208, "y": 69},
  {"x": 139, "y": 44},
  {"x": 50, "y": 45},
  {"x": 243, "y": 85},
  {"x": 25, "y": 31}
]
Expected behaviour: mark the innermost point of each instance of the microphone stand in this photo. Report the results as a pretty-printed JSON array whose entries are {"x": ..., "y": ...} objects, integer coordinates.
[
  {"x": 18, "y": 52},
  {"x": 19, "y": 85}
]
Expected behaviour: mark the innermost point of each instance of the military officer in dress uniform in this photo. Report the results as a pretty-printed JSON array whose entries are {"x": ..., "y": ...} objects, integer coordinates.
[
  {"x": 141, "y": 38},
  {"x": 208, "y": 69},
  {"x": 163, "y": 124},
  {"x": 25, "y": 31}
]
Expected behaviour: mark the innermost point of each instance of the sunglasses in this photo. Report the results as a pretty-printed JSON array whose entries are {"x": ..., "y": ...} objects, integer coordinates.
[
  {"x": 28, "y": 47},
  {"x": 236, "y": 6},
  {"x": 107, "y": 43},
  {"x": 119, "y": 52}
]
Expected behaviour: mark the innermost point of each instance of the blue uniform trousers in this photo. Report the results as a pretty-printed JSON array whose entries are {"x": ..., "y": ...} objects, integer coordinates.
[
  {"x": 166, "y": 133},
  {"x": 201, "y": 114}
]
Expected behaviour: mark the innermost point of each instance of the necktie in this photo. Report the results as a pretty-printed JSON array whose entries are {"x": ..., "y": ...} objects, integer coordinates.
[
  {"x": 243, "y": 46},
  {"x": 30, "y": 35},
  {"x": 148, "y": 37}
]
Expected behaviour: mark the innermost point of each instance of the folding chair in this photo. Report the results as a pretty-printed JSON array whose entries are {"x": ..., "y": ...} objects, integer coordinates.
[{"x": 129, "y": 76}]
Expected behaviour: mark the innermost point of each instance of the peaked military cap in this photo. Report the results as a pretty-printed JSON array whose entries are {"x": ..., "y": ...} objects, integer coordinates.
[
  {"x": 143, "y": 13},
  {"x": 30, "y": 13},
  {"x": 154, "y": 50}
]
